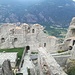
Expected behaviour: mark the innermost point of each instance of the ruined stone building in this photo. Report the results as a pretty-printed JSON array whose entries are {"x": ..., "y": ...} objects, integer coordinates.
[
  {"x": 5, "y": 68},
  {"x": 24, "y": 35},
  {"x": 52, "y": 63},
  {"x": 33, "y": 37}
]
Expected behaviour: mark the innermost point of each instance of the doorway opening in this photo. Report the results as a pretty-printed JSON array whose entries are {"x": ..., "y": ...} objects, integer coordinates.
[
  {"x": 2, "y": 40},
  {"x": 27, "y": 48},
  {"x": 33, "y": 30},
  {"x": 44, "y": 44}
]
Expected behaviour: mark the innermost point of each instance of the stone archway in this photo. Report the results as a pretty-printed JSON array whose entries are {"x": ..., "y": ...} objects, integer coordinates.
[{"x": 27, "y": 48}]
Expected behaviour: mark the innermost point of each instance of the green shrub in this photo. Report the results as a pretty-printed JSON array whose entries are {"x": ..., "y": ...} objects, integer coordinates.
[
  {"x": 60, "y": 51},
  {"x": 34, "y": 52},
  {"x": 71, "y": 71}
]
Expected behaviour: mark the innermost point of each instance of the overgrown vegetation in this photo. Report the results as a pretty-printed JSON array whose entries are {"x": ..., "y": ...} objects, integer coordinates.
[
  {"x": 60, "y": 51},
  {"x": 34, "y": 52},
  {"x": 19, "y": 50},
  {"x": 71, "y": 71}
]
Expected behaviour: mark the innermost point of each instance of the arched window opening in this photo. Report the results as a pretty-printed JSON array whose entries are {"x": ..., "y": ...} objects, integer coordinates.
[
  {"x": 44, "y": 44},
  {"x": 33, "y": 30},
  {"x": 2, "y": 40},
  {"x": 15, "y": 39},
  {"x": 28, "y": 29}
]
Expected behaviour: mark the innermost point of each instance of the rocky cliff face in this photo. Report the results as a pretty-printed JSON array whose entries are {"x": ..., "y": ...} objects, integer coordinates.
[{"x": 71, "y": 30}]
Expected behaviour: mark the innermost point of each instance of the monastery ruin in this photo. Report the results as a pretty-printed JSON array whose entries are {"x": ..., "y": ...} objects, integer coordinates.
[
  {"x": 46, "y": 59},
  {"x": 29, "y": 36}
]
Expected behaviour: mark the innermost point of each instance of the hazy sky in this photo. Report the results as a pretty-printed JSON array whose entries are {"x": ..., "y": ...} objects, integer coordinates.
[
  {"x": 73, "y": 0},
  {"x": 23, "y": 0},
  {"x": 26, "y": 2},
  {"x": 29, "y": 0}
]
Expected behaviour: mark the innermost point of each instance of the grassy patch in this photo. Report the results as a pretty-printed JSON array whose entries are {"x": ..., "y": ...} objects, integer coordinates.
[{"x": 19, "y": 50}]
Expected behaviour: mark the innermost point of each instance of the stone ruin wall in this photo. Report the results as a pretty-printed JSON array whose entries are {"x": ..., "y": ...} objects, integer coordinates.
[{"x": 32, "y": 35}]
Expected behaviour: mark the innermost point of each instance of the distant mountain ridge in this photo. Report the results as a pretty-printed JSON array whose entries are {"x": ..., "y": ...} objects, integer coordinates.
[{"x": 46, "y": 12}]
